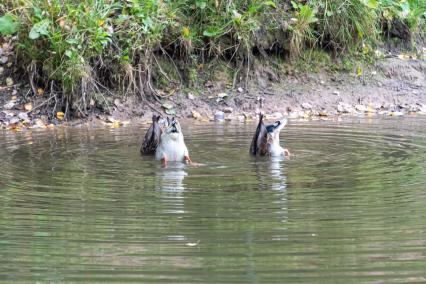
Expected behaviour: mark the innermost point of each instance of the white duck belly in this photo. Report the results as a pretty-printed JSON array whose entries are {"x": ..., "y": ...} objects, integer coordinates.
[
  {"x": 275, "y": 149},
  {"x": 172, "y": 147}
]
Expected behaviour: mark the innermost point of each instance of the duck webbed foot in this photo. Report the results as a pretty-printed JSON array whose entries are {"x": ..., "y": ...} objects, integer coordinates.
[
  {"x": 287, "y": 153},
  {"x": 164, "y": 161},
  {"x": 187, "y": 159}
]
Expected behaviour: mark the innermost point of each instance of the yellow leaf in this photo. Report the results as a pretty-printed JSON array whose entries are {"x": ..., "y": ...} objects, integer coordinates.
[
  {"x": 101, "y": 23},
  {"x": 358, "y": 72},
  {"x": 60, "y": 115},
  {"x": 40, "y": 91},
  {"x": 186, "y": 32}
]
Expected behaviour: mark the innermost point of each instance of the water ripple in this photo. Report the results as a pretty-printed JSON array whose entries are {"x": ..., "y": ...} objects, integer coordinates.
[{"x": 81, "y": 205}]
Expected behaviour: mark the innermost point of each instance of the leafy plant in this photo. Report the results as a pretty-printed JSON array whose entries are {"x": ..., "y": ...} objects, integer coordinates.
[{"x": 8, "y": 25}]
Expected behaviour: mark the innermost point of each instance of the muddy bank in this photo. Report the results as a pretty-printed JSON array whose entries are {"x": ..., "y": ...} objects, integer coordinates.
[{"x": 393, "y": 86}]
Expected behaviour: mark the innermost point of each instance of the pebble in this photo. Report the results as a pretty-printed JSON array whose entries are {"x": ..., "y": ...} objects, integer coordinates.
[
  {"x": 240, "y": 90},
  {"x": 13, "y": 120},
  {"x": 344, "y": 108},
  {"x": 191, "y": 96},
  {"x": 228, "y": 110},
  {"x": 23, "y": 116},
  {"x": 396, "y": 113},
  {"x": 1, "y": 70},
  {"x": 117, "y": 103},
  {"x": 361, "y": 108},
  {"x": 306, "y": 106},
  {"x": 4, "y": 59},
  {"x": 336, "y": 93},
  {"x": 9, "y": 81},
  {"x": 219, "y": 116},
  {"x": 9, "y": 105},
  {"x": 28, "y": 106},
  {"x": 196, "y": 114}
]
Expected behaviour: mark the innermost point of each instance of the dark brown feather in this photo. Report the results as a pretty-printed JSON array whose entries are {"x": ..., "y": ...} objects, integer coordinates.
[
  {"x": 259, "y": 143},
  {"x": 152, "y": 137}
]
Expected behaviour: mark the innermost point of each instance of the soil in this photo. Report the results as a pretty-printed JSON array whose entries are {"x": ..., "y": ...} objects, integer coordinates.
[{"x": 393, "y": 86}]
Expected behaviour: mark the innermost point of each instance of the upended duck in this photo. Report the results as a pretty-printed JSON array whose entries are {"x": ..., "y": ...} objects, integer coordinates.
[
  {"x": 266, "y": 140},
  {"x": 165, "y": 141}
]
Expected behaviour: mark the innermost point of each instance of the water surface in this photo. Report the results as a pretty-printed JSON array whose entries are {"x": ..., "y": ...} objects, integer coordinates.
[{"x": 350, "y": 206}]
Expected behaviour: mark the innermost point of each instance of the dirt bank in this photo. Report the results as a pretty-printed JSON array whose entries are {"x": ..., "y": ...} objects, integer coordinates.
[{"x": 393, "y": 86}]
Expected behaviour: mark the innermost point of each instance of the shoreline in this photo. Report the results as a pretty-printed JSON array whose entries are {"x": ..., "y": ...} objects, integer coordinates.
[{"x": 391, "y": 87}]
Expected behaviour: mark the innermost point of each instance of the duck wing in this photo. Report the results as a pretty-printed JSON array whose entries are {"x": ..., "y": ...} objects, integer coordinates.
[
  {"x": 152, "y": 137},
  {"x": 259, "y": 145}
]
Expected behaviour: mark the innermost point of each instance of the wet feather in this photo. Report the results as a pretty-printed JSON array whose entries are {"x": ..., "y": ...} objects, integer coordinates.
[{"x": 152, "y": 137}]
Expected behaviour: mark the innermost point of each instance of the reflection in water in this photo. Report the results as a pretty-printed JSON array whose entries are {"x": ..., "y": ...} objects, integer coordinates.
[
  {"x": 171, "y": 178},
  {"x": 80, "y": 205},
  {"x": 169, "y": 181}
]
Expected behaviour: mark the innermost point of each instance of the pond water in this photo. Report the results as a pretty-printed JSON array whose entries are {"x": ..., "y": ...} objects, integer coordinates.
[{"x": 81, "y": 205}]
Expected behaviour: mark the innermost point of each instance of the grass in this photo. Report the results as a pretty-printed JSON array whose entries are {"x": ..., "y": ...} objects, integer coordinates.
[{"x": 79, "y": 51}]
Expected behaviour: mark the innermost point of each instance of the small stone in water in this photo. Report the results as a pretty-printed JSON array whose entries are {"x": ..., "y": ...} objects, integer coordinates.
[{"x": 219, "y": 116}]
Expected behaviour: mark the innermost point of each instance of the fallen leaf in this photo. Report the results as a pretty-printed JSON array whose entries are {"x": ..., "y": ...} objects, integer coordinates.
[
  {"x": 192, "y": 244},
  {"x": 40, "y": 91},
  {"x": 60, "y": 115},
  {"x": 116, "y": 124}
]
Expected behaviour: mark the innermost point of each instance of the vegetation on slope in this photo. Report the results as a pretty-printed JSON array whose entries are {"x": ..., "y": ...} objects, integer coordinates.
[{"x": 80, "y": 50}]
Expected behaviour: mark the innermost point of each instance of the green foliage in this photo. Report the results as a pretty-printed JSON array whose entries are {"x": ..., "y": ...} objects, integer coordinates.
[
  {"x": 345, "y": 25},
  {"x": 302, "y": 28},
  {"x": 78, "y": 45},
  {"x": 8, "y": 25}
]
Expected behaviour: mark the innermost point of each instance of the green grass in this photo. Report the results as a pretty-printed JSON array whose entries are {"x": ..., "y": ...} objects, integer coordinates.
[{"x": 76, "y": 49}]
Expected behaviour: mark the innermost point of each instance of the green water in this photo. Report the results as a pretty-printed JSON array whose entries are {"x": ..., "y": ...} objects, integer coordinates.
[{"x": 81, "y": 205}]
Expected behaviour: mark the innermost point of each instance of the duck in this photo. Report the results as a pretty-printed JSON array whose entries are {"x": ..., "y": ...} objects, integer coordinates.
[
  {"x": 152, "y": 137},
  {"x": 166, "y": 142},
  {"x": 266, "y": 140}
]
